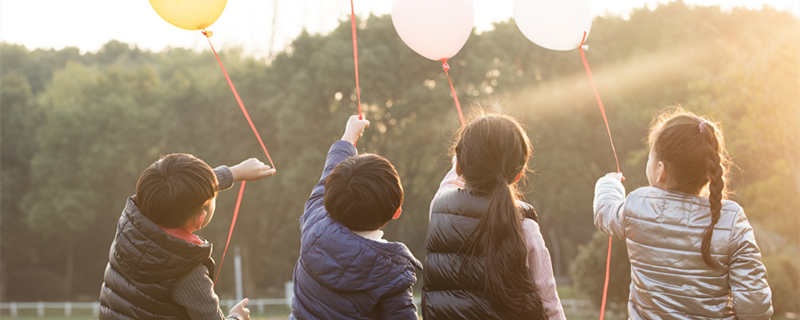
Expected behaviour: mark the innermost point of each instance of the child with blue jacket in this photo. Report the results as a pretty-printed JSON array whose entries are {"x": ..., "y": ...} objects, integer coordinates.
[{"x": 346, "y": 270}]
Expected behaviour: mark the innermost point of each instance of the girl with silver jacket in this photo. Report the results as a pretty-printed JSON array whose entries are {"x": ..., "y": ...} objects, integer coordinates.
[{"x": 693, "y": 253}]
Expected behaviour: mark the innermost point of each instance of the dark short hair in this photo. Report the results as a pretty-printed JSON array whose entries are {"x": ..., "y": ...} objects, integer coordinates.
[
  {"x": 174, "y": 188},
  {"x": 363, "y": 192}
]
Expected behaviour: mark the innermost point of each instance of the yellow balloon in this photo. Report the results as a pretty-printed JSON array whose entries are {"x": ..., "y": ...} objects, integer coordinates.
[{"x": 189, "y": 14}]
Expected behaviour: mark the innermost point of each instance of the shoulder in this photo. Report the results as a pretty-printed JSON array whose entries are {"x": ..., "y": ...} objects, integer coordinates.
[
  {"x": 532, "y": 234},
  {"x": 734, "y": 214},
  {"x": 528, "y": 210},
  {"x": 530, "y": 227},
  {"x": 645, "y": 192},
  {"x": 198, "y": 273},
  {"x": 459, "y": 201}
]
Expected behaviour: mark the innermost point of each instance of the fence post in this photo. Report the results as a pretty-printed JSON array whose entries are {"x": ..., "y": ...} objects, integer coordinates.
[
  {"x": 40, "y": 309},
  {"x": 13, "y": 309},
  {"x": 237, "y": 263},
  {"x": 288, "y": 290},
  {"x": 260, "y": 304},
  {"x": 67, "y": 309}
]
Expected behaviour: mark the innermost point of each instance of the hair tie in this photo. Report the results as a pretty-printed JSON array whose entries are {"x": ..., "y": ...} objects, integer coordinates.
[{"x": 701, "y": 125}]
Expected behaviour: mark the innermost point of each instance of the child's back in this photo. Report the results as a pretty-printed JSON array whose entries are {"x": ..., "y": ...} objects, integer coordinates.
[
  {"x": 157, "y": 267},
  {"x": 692, "y": 256},
  {"x": 345, "y": 269},
  {"x": 342, "y": 275},
  {"x": 669, "y": 278},
  {"x": 144, "y": 267}
]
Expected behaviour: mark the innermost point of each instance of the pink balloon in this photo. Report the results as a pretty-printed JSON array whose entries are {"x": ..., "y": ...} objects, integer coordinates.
[
  {"x": 436, "y": 29},
  {"x": 555, "y": 25}
]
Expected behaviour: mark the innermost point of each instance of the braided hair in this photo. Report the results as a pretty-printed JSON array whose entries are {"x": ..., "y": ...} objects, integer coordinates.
[{"x": 693, "y": 152}]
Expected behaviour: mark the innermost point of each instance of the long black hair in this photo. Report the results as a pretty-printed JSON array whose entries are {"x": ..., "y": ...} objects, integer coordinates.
[{"x": 492, "y": 153}]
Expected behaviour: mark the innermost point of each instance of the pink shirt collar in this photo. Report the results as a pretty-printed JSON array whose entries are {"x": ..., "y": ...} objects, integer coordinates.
[{"x": 184, "y": 235}]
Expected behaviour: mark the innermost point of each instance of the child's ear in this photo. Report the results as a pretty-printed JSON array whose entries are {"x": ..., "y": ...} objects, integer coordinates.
[
  {"x": 661, "y": 173},
  {"x": 199, "y": 220}
]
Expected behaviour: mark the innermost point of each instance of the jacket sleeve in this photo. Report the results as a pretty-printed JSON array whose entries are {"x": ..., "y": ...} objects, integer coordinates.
[
  {"x": 541, "y": 270},
  {"x": 224, "y": 177},
  {"x": 314, "y": 211},
  {"x": 398, "y": 306},
  {"x": 609, "y": 203},
  {"x": 195, "y": 292},
  {"x": 752, "y": 297}
]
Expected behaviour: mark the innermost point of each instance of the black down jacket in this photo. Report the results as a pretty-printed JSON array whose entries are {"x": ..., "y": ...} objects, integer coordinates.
[
  {"x": 449, "y": 293},
  {"x": 144, "y": 263}
]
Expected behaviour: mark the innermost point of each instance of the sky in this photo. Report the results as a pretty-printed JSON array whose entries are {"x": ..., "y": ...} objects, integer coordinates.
[{"x": 88, "y": 24}]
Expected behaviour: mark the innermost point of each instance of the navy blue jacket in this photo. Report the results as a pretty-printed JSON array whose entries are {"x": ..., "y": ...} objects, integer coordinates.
[{"x": 341, "y": 275}]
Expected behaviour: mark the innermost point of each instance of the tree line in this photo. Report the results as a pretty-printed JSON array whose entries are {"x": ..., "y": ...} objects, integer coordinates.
[{"x": 78, "y": 128}]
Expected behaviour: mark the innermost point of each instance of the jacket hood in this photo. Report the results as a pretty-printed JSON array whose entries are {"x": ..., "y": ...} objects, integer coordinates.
[{"x": 342, "y": 260}]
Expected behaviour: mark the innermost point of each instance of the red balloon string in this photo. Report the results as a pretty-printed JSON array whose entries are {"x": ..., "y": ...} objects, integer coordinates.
[
  {"x": 239, "y": 100},
  {"x": 616, "y": 158},
  {"x": 230, "y": 230},
  {"x": 260, "y": 141},
  {"x": 446, "y": 68},
  {"x": 599, "y": 101},
  {"x": 605, "y": 284},
  {"x": 355, "y": 56}
]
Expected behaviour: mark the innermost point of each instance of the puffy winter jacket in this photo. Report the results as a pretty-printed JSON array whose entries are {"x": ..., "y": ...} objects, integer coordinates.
[
  {"x": 663, "y": 231},
  {"x": 449, "y": 293},
  {"x": 144, "y": 264},
  {"x": 342, "y": 275}
]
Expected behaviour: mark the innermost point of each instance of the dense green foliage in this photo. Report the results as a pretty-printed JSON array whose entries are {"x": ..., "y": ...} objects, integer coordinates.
[{"x": 77, "y": 128}]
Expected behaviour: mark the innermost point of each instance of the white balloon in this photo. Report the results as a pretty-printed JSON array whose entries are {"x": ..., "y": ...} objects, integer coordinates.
[
  {"x": 555, "y": 25},
  {"x": 436, "y": 29}
]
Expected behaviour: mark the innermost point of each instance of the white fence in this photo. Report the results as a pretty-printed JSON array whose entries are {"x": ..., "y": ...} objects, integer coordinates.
[
  {"x": 41, "y": 309},
  {"x": 258, "y": 306}
]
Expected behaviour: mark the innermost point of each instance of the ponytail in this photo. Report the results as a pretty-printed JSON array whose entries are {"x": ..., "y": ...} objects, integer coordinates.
[{"x": 492, "y": 151}]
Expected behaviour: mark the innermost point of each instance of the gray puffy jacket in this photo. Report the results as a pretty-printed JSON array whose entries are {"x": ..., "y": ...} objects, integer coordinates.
[{"x": 663, "y": 231}]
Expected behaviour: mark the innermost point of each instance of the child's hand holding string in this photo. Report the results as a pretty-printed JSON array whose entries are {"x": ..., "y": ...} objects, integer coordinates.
[
  {"x": 354, "y": 130},
  {"x": 616, "y": 175},
  {"x": 251, "y": 169}
]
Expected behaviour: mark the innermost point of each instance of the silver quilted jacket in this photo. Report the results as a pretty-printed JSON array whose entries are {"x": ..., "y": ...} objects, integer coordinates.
[{"x": 663, "y": 231}]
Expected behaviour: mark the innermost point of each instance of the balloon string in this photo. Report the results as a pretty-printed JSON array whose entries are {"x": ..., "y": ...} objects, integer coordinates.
[
  {"x": 355, "y": 56},
  {"x": 446, "y": 68},
  {"x": 239, "y": 99},
  {"x": 230, "y": 230},
  {"x": 599, "y": 101},
  {"x": 260, "y": 141},
  {"x": 605, "y": 284},
  {"x": 616, "y": 158}
]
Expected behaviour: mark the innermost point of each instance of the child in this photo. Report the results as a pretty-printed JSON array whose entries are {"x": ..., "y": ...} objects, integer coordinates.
[
  {"x": 346, "y": 270},
  {"x": 486, "y": 255},
  {"x": 158, "y": 268},
  {"x": 693, "y": 255}
]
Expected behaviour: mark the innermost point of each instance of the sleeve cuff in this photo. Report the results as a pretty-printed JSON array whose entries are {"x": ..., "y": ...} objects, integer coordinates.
[{"x": 224, "y": 177}]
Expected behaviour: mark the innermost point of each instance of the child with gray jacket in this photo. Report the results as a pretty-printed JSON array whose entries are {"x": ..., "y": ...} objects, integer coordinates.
[{"x": 693, "y": 254}]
